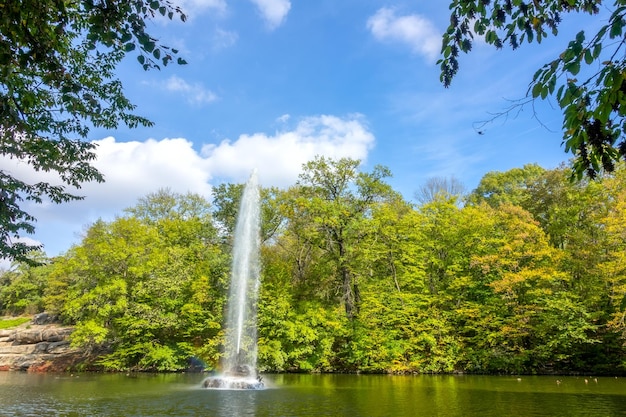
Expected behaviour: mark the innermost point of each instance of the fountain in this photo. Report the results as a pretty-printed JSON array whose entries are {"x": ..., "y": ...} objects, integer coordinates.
[{"x": 240, "y": 353}]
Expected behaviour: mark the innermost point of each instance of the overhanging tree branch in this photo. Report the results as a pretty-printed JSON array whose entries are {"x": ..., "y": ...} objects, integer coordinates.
[
  {"x": 57, "y": 78},
  {"x": 594, "y": 127}
]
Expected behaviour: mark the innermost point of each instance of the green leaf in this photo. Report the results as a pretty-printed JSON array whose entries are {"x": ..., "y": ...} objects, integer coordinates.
[
  {"x": 126, "y": 36},
  {"x": 616, "y": 29},
  {"x": 597, "y": 49},
  {"x": 559, "y": 93},
  {"x": 536, "y": 91},
  {"x": 181, "y": 61},
  {"x": 573, "y": 67},
  {"x": 552, "y": 84},
  {"x": 580, "y": 37},
  {"x": 129, "y": 47},
  {"x": 149, "y": 46}
]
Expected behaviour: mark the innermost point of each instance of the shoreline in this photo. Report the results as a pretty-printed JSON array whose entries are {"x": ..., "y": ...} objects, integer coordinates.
[{"x": 42, "y": 345}]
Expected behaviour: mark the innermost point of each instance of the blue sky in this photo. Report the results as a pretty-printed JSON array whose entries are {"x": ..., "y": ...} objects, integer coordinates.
[{"x": 272, "y": 83}]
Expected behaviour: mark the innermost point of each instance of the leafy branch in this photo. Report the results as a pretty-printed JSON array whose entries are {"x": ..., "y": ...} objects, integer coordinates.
[
  {"x": 593, "y": 109},
  {"x": 57, "y": 80}
]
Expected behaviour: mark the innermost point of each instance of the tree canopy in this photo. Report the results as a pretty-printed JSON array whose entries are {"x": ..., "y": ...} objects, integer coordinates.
[
  {"x": 528, "y": 276},
  {"x": 593, "y": 99},
  {"x": 57, "y": 79}
]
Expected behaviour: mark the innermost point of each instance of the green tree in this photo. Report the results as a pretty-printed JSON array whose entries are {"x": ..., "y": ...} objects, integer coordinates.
[
  {"x": 226, "y": 201},
  {"x": 539, "y": 322},
  {"x": 444, "y": 247},
  {"x": 149, "y": 287},
  {"x": 593, "y": 101},
  {"x": 401, "y": 327},
  {"x": 57, "y": 79},
  {"x": 566, "y": 211},
  {"x": 460, "y": 302},
  {"x": 333, "y": 200},
  {"x": 22, "y": 287},
  {"x": 512, "y": 186},
  {"x": 311, "y": 277},
  {"x": 595, "y": 261},
  {"x": 582, "y": 221},
  {"x": 168, "y": 205},
  {"x": 614, "y": 267}
]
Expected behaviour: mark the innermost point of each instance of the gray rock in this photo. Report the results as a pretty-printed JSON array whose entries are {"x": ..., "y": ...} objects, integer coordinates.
[
  {"x": 10, "y": 349},
  {"x": 37, "y": 348},
  {"x": 44, "y": 318},
  {"x": 59, "y": 348}
]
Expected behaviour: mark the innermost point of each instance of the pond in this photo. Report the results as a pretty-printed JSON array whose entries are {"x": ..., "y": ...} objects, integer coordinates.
[{"x": 131, "y": 395}]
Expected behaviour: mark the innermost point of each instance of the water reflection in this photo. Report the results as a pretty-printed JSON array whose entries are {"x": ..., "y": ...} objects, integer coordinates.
[
  {"x": 236, "y": 403},
  {"x": 309, "y": 395}
]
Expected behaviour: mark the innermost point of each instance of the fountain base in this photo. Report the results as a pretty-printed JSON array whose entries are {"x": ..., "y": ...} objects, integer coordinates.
[
  {"x": 233, "y": 382},
  {"x": 241, "y": 377}
]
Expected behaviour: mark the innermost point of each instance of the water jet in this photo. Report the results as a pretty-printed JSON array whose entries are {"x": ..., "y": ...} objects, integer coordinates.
[{"x": 240, "y": 351}]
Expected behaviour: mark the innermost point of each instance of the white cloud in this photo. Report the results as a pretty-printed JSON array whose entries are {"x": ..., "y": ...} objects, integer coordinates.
[
  {"x": 279, "y": 157},
  {"x": 194, "y": 7},
  {"x": 131, "y": 170},
  {"x": 194, "y": 93},
  {"x": 413, "y": 30},
  {"x": 274, "y": 12},
  {"x": 224, "y": 38},
  {"x": 134, "y": 169},
  {"x": 283, "y": 118}
]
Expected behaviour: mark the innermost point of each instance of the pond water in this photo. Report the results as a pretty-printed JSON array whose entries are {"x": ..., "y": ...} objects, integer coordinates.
[{"x": 67, "y": 395}]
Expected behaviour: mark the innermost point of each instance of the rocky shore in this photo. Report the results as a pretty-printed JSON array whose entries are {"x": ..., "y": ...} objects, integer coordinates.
[{"x": 39, "y": 346}]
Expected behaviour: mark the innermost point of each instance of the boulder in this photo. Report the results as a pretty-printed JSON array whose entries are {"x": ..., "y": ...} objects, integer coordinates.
[
  {"x": 38, "y": 348},
  {"x": 45, "y": 318}
]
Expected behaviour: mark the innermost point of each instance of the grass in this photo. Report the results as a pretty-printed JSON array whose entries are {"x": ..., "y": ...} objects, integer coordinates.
[{"x": 8, "y": 323}]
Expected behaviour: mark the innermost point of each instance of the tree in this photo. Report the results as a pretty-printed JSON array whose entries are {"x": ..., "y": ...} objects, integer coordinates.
[
  {"x": 614, "y": 267},
  {"x": 148, "y": 287},
  {"x": 226, "y": 201},
  {"x": 538, "y": 322},
  {"x": 400, "y": 327},
  {"x": 594, "y": 106},
  {"x": 332, "y": 201},
  {"x": 166, "y": 204},
  {"x": 57, "y": 79},
  {"x": 22, "y": 287},
  {"x": 512, "y": 186},
  {"x": 435, "y": 186}
]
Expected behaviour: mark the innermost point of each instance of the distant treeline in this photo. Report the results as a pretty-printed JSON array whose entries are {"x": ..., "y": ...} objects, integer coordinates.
[{"x": 525, "y": 274}]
